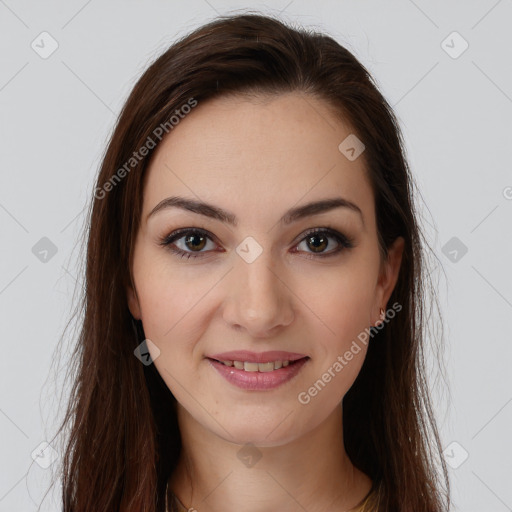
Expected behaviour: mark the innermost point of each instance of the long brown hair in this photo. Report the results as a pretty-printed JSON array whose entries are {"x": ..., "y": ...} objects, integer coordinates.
[{"x": 123, "y": 438}]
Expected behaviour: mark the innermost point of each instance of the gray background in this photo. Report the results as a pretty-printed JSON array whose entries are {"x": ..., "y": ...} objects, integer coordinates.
[{"x": 455, "y": 111}]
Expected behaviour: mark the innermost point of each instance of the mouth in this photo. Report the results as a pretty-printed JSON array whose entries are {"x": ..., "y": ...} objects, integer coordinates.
[
  {"x": 252, "y": 366},
  {"x": 257, "y": 371},
  {"x": 255, "y": 376}
]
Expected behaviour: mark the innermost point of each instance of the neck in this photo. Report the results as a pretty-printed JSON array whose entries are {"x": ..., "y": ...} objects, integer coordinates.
[{"x": 311, "y": 473}]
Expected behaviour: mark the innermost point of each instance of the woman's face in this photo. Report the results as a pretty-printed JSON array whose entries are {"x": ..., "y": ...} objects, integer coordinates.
[{"x": 256, "y": 278}]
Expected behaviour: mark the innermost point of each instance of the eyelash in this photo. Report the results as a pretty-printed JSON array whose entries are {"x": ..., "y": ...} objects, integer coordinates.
[{"x": 167, "y": 241}]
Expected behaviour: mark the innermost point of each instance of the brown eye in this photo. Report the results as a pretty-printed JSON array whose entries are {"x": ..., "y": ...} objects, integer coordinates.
[
  {"x": 192, "y": 242},
  {"x": 195, "y": 242},
  {"x": 316, "y": 241}
]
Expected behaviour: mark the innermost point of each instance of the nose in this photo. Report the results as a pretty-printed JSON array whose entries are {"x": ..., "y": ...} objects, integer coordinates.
[{"x": 258, "y": 299}]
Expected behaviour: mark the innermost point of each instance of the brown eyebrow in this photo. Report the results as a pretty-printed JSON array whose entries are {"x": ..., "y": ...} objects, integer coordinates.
[{"x": 292, "y": 215}]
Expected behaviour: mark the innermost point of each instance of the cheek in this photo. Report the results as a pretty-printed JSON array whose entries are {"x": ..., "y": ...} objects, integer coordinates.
[
  {"x": 160, "y": 306},
  {"x": 342, "y": 300},
  {"x": 170, "y": 306},
  {"x": 175, "y": 312},
  {"x": 167, "y": 294}
]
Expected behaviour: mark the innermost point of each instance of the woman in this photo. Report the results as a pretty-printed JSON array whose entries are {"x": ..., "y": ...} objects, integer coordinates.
[{"x": 253, "y": 331}]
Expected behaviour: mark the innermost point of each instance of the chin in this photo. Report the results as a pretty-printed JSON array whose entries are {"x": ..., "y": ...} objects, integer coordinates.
[{"x": 273, "y": 431}]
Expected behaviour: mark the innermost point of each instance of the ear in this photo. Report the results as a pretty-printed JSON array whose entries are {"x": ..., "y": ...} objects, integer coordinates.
[
  {"x": 133, "y": 302},
  {"x": 388, "y": 277}
]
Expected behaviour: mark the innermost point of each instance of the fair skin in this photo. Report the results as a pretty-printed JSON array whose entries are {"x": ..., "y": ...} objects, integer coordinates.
[{"x": 257, "y": 160}]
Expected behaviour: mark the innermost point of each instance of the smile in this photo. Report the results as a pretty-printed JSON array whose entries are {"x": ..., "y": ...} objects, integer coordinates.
[
  {"x": 252, "y": 376},
  {"x": 249, "y": 366}
]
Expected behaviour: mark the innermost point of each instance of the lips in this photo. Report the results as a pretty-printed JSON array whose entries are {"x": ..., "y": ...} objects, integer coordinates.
[{"x": 256, "y": 380}]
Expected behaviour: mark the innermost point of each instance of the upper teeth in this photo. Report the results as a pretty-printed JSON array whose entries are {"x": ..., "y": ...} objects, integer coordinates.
[{"x": 256, "y": 367}]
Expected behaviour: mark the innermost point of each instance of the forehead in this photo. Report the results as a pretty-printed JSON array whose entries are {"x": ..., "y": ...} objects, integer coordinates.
[{"x": 269, "y": 151}]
